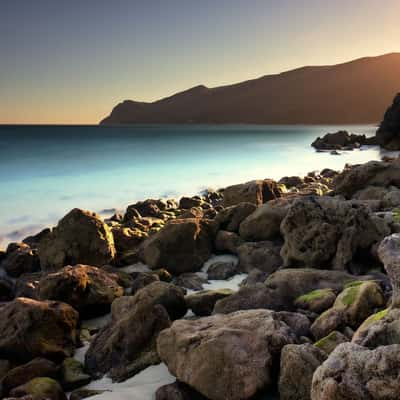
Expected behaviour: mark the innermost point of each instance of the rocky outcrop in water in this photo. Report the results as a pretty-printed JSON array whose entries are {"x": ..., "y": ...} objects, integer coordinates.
[{"x": 388, "y": 134}]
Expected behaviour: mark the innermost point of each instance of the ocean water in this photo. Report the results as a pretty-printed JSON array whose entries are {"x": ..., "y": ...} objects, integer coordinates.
[{"x": 47, "y": 170}]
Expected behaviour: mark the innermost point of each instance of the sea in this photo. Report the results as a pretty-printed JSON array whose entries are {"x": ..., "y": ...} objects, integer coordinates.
[{"x": 45, "y": 171}]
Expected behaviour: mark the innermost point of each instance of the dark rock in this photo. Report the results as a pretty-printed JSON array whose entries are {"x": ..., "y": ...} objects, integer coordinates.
[
  {"x": 33, "y": 241},
  {"x": 178, "y": 391},
  {"x": 181, "y": 246},
  {"x": 255, "y": 276},
  {"x": 20, "y": 259},
  {"x": 27, "y": 285},
  {"x": 230, "y": 218},
  {"x": 291, "y": 181},
  {"x": 264, "y": 256},
  {"x": 73, "y": 375},
  {"x": 222, "y": 270},
  {"x": 30, "y": 328},
  {"x": 202, "y": 303},
  {"x": 6, "y": 289},
  {"x": 340, "y": 140},
  {"x": 190, "y": 281},
  {"x": 388, "y": 134},
  {"x": 80, "y": 394},
  {"x": 256, "y": 192},
  {"x": 188, "y": 202},
  {"x": 227, "y": 242},
  {"x": 127, "y": 239},
  {"x": 143, "y": 279},
  {"x": 89, "y": 290},
  {"x": 79, "y": 238},
  {"x": 24, "y": 373},
  {"x": 127, "y": 345}
]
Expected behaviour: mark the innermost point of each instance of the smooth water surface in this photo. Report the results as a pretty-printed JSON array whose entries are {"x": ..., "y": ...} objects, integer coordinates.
[{"x": 47, "y": 170}]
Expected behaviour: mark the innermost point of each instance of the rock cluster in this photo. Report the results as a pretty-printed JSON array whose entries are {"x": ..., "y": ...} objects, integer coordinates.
[{"x": 316, "y": 317}]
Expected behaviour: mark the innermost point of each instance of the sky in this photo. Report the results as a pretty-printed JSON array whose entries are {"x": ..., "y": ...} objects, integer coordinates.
[{"x": 72, "y": 61}]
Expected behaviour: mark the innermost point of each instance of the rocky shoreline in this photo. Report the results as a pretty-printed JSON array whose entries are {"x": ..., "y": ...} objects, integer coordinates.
[{"x": 304, "y": 305}]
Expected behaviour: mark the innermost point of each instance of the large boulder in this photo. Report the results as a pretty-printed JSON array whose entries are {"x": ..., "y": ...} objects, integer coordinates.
[
  {"x": 20, "y": 259},
  {"x": 373, "y": 173},
  {"x": 202, "y": 303},
  {"x": 88, "y": 289},
  {"x": 388, "y": 134},
  {"x": 126, "y": 345},
  {"x": 127, "y": 239},
  {"x": 353, "y": 372},
  {"x": 264, "y": 256},
  {"x": 81, "y": 237},
  {"x": 256, "y": 192},
  {"x": 298, "y": 363},
  {"x": 227, "y": 242},
  {"x": 181, "y": 246},
  {"x": 225, "y": 356},
  {"x": 30, "y": 328},
  {"x": 325, "y": 232},
  {"x": 264, "y": 223}
]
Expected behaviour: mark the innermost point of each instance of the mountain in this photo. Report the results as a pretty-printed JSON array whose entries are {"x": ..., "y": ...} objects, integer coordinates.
[{"x": 358, "y": 91}]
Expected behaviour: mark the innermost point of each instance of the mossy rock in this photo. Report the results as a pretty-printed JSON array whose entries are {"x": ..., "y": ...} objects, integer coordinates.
[
  {"x": 374, "y": 318},
  {"x": 330, "y": 342},
  {"x": 73, "y": 375},
  {"x": 40, "y": 389},
  {"x": 316, "y": 301}
]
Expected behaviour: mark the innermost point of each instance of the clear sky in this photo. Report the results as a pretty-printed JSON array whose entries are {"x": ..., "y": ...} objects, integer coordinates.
[{"x": 71, "y": 61}]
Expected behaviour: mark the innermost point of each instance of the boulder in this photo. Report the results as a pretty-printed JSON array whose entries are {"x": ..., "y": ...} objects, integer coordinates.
[
  {"x": 205, "y": 353},
  {"x": 264, "y": 256},
  {"x": 329, "y": 343},
  {"x": 298, "y": 363},
  {"x": 42, "y": 388},
  {"x": 222, "y": 270},
  {"x": 316, "y": 301},
  {"x": 33, "y": 369},
  {"x": 353, "y": 372},
  {"x": 181, "y": 246},
  {"x": 298, "y": 323},
  {"x": 31, "y": 328},
  {"x": 81, "y": 237},
  {"x": 388, "y": 134},
  {"x": 188, "y": 202},
  {"x": 89, "y": 290},
  {"x": 27, "y": 285},
  {"x": 256, "y": 192},
  {"x": 291, "y": 181},
  {"x": 127, "y": 239},
  {"x": 227, "y": 242},
  {"x": 147, "y": 208},
  {"x": 230, "y": 218},
  {"x": 325, "y": 232},
  {"x": 341, "y": 140},
  {"x": 264, "y": 223},
  {"x": 79, "y": 394},
  {"x": 126, "y": 345},
  {"x": 373, "y": 173},
  {"x": 20, "y": 259},
  {"x": 254, "y": 276},
  {"x": 171, "y": 297},
  {"x": 143, "y": 279},
  {"x": 202, "y": 303}
]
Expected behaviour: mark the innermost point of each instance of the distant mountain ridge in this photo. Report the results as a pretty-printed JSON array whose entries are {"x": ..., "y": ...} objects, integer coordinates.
[{"x": 358, "y": 91}]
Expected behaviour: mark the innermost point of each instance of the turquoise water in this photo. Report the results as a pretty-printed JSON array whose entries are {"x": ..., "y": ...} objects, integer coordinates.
[{"x": 47, "y": 170}]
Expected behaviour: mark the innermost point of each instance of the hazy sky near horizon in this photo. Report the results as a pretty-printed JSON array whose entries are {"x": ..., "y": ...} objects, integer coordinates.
[{"x": 71, "y": 61}]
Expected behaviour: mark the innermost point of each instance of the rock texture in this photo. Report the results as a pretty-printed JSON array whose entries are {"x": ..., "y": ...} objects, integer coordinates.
[
  {"x": 352, "y": 372},
  {"x": 79, "y": 238},
  {"x": 225, "y": 356},
  {"x": 298, "y": 363},
  {"x": 326, "y": 232},
  {"x": 340, "y": 140}
]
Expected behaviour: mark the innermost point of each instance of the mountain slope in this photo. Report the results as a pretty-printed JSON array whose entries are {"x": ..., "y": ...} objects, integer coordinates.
[{"x": 354, "y": 92}]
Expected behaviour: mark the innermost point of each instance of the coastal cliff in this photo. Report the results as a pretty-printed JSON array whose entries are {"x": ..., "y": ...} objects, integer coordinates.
[{"x": 354, "y": 92}]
